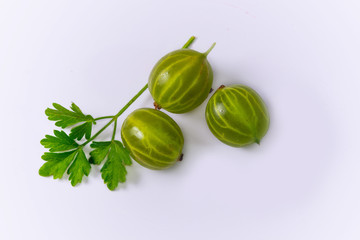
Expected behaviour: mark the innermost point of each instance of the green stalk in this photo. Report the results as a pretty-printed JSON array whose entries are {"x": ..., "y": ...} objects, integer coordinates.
[
  {"x": 131, "y": 101},
  {"x": 209, "y": 50},
  {"x": 117, "y": 115},
  {"x": 114, "y": 132},
  {"x": 189, "y": 42},
  {"x": 114, "y": 118},
  {"x": 105, "y": 117}
]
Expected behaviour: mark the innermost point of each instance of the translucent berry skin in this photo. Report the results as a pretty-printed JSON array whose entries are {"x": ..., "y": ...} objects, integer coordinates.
[
  {"x": 153, "y": 138},
  {"x": 181, "y": 80},
  {"x": 237, "y": 116}
]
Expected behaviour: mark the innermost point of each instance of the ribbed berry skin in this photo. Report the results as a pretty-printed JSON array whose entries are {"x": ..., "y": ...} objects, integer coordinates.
[
  {"x": 181, "y": 80},
  {"x": 153, "y": 138},
  {"x": 237, "y": 116}
]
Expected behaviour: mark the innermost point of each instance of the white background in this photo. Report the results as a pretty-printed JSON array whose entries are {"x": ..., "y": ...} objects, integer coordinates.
[{"x": 301, "y": 56}]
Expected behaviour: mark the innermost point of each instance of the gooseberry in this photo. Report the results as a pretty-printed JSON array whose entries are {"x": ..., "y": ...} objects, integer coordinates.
[
  {"x": 153, "y": 138},
  {"x": 181, "y": 80},
  {"x": 237, "y": 116}
]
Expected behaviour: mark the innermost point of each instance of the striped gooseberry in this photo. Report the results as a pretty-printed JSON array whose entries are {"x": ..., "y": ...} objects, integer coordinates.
[
  {"x": 181, "y": 80},
  {"x": 153, "y": 138},
  {"x": 237, "y": 115}
]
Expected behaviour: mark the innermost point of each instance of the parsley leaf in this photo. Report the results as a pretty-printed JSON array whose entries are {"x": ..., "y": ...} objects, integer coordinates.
[
  {"x": 118, "y": 157},
  {"x": 64, "y": 117},
  {"x": 81, "y": 130},
  {"x": 57, "y": 163},
  {"x": 60, "y": 142},
  {"x": 79, "y": 168},
  {"x": 100, "y": 152}
]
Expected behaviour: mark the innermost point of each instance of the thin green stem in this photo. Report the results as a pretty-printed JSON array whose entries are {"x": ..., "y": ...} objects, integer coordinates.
[
  {"x": 189, "y": 42},
  {"x": 105, "y": 117},
  {"x": 131, "y": 101},
  {"x": 114, "y": 132},
  {"x": 98, "y": 133},
  {"x": 115, "y": 117},
  {"x": 209, "y": 50}
]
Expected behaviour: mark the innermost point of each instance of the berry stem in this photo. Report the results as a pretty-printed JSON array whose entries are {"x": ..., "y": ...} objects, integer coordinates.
[
  {"x": 114, "y": 118},
  {"x": 189, "y": 42},
  {"x": 209, "y": 50}
]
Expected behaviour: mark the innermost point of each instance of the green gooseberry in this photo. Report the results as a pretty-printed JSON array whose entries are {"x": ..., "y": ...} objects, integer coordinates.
[
  {"x": 237, "y": 116},
  {"x": 181, "y": 80},
  {"x": 153, "y": 138}
]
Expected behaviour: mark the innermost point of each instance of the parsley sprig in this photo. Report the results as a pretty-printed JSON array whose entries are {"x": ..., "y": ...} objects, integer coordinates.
[{"x": 66, "y": 152}]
